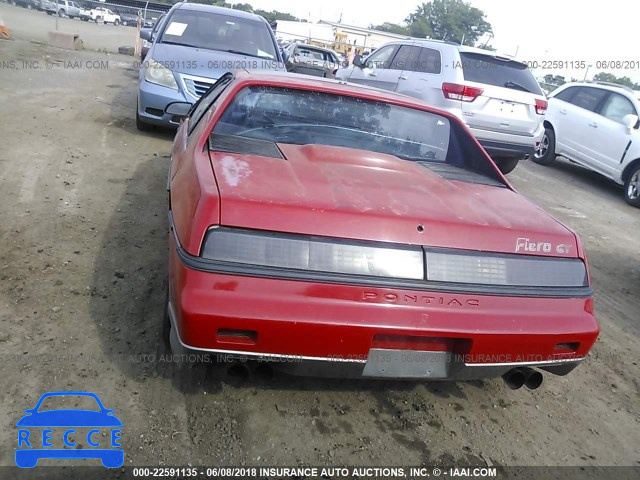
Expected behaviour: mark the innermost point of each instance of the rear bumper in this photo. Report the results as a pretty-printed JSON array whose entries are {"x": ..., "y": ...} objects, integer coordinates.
[
  {"x": 508, "y": 145},
  {"x": 348, "y": 330},
  {"x": 507, "y": 150}
]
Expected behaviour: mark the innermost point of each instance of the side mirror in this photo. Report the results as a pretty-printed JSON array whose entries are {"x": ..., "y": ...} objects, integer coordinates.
[
  {"x": 179, "y": 109},
  {"x": 630, "y": 121},
  {"x": 145, "y": 34},
  {"x": 285, "y": 55},
  {"x": 358, "y": 62}
]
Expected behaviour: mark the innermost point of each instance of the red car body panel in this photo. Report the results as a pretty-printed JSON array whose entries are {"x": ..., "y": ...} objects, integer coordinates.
[
  {"x": 346, "y": 193},
  {"x": 340, "y": 321}
]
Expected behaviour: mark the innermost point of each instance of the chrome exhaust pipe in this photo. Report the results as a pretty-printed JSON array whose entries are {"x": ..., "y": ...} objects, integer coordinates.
[{"x": 514, "y": 378}]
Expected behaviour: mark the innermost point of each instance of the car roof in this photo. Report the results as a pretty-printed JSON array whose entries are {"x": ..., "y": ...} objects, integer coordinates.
[
  {"x": 312, "y": 46},
  {"x": 329, "y": 85},
  {"x": 199, "y": 7},
  {"x": 612, "y": 87}
]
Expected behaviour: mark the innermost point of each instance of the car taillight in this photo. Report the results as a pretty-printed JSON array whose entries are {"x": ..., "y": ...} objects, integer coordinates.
[
  {"x": 541, "y": 106},
  {"x": 454, "y": 91}
]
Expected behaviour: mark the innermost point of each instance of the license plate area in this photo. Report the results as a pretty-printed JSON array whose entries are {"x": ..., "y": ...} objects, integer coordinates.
[{"x": 391, "y": 363}]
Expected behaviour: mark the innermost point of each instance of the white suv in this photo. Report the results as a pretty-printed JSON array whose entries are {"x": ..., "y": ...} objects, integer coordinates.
[
  {"x": 495, "y": 95},
  {"x": 596, "y": 125}
]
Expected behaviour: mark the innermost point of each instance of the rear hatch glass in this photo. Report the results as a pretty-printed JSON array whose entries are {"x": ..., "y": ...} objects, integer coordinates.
[
  {"x": 507, "y": 103},
  {"x": 481, "y": 68}
]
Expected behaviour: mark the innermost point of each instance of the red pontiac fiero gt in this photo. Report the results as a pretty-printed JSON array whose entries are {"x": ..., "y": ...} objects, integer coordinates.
[{"x": 351, "y": 231}]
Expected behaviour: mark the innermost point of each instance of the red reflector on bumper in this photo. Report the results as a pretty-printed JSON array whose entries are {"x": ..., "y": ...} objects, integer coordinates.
[{"x": 238, "y": 337}]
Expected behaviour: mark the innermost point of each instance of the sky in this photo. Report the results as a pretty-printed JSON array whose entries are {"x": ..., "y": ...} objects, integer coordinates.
[{"x": 539, "y": 31}]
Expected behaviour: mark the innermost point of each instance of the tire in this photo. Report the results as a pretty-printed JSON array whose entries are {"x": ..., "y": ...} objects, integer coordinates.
[
  {"x": 632, "y": 186},
  {"x": 124, "y": 23},
  {"x": 141, "y": 125},
  {"x": 546, "y": 155},
  {"x": 116, "y": 22},
  {"x": 49, "y": 13},
  {"x": 61, "y": 13},
  {"x": 506, "y": 165}
]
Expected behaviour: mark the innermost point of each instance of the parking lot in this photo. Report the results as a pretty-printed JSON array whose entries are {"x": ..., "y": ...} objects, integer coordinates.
[{"x": 82, "y": 274}]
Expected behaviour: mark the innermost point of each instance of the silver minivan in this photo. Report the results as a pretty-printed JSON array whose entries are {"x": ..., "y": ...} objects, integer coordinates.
[{"x": 496, "y": 96}]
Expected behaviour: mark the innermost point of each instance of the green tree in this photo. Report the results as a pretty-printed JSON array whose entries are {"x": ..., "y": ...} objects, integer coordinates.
[
  {"x": 609, "y": 77},
  {"x": 391, "y": 28},
  {"x": 452, "y": 20}
]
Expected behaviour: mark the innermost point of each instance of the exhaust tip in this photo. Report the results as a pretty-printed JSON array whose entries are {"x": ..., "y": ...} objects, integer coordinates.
[
  {"x": 534, "y": 380},
  {"x": 514, "y": 379}
]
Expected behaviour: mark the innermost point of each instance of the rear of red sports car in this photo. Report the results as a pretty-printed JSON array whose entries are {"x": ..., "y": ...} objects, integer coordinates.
[{"x": 345, "y": 231}]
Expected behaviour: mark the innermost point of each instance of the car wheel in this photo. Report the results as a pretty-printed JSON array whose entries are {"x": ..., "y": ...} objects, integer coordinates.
[
  {"x": 61, "y": 13},
  {"x": 632, "y": 187},
  {"x": 29, "y": 7},
  {"x": 546, "y": 154},
  {"x": 506, "y": 165},
  {"x": 124, "y": 23},
  {"x": 141, "y": 125},
  {"x": 116, "y": 22}
]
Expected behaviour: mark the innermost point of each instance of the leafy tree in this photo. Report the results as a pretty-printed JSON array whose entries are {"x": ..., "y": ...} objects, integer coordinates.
[
  {"x": 391, "y": 28},
  {"x": 609, "y": 77},
  {"x": 452, "y": 20}
]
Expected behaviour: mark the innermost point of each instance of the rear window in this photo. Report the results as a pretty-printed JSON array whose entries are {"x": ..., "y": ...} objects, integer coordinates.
[
  {"x": 283, "y": 115},
  {"x": 480, "y": 68},
  {"x": 301, "y": 117}
]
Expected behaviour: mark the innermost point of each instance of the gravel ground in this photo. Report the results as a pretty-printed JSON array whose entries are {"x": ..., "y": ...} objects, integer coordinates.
[{"x": 83, "y": 235}]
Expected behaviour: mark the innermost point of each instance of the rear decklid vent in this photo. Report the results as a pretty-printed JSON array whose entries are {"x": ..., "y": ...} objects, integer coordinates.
[
  {"x": 220, "y": 142},
  {"x": 451, "y": 172}
]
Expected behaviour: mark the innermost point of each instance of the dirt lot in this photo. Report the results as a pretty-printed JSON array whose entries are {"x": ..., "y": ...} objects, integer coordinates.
[
  {"x": 83, "y": 234},
  {"x": 33, "y": 25}
]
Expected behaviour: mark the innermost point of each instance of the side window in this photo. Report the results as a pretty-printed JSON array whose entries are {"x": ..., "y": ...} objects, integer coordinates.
[
  {"x": 567, "y": 94},
  {"x": 402, "y": 58},
  {"x": 381, "y": 58},
  {"x": 201, "y": 106},
  {"x": 589, "y": 98},
  {"x": 616, "y": 107},
  {"x": 424, "y": 60},
  {"x": 430, "y": 61}
]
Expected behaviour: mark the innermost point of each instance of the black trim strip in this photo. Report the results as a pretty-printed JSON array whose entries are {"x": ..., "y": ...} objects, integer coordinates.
[
  {"x": 228, "y": 268},
  {"x": 625, "y": 152}
]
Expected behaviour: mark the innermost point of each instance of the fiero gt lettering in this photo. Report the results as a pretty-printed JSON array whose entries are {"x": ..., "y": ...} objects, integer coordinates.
[
  {"x": 391, "y": 297},
  {"x": 523, "y": 244}
]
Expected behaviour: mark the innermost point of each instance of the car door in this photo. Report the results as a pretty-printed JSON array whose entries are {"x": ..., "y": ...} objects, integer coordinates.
[
  {"x": 557, "y": 115},
  {"x": 421, "y": 75},
  {"x": 607, "y": 140},
  {"x": 381, "y": 68},
  {"x": 74, "y": 9},
  {"x": 580, "y": 123}
]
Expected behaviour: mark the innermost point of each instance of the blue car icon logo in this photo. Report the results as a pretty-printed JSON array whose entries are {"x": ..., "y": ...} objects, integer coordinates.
[{"x": 69, "y": 433}]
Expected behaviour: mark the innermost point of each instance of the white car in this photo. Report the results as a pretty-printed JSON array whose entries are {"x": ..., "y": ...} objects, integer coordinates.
[
  {"x": 496, "y": 96},
  {"x": 596, "y": 125},
  {"x": 104, "y": 15}
]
